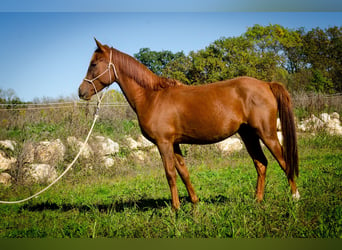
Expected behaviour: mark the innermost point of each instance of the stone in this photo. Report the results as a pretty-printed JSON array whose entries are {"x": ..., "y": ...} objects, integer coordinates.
[
  {"x": 333, "y": 126},
  {"x": 131, "y": 143},
  {"x": 335, "y": 115},
  {"x": 6, "y": 163},
  {"x": 329, "y": 123},
  {"x": 50, "y": 152},
  {"x": 280, "y": 137},
  {"x": 8, "y": 144},
  {"x": 278, "y": 125},
  {"x": 139, "y": 155},
  {"x": 108, "y": 162},
  {"x": 311, "y": 124},
  {"x": 143, "y": 142},
  {"x": 105, "y": 146},
  {"x": 41, "y": 173},
  {"x": 230, "y": 145},
  {"x": 76, "y": 145},
  {"x": 325, "y": 117},
  {"x": 5, "y": 179}
]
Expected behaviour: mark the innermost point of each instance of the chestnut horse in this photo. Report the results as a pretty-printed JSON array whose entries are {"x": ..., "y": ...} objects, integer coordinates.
[{"x": 171, "y": 113}]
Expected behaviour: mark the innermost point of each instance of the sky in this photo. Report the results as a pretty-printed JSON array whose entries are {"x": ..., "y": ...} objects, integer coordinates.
[{"x": 45, "y": 51}]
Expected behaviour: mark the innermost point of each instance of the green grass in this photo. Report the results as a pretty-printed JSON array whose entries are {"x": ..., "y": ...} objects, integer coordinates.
[{"x": 133, "y": 200}]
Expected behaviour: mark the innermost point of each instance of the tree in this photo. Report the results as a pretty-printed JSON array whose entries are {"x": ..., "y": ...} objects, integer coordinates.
[
  {"x": 179, "y": 69},
  {"x": 322, "y": 53},
  {"x": 302, "y": 60},
  {"x": 206, "y": 65},
  {"x": 9, "y": 96},
  {"x": 156, "y": 61},
  {"x": 281, "y": 46}
]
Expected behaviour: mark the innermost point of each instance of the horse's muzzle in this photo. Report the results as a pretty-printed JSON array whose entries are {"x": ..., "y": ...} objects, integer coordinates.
[{"x": 83, "y": 94}]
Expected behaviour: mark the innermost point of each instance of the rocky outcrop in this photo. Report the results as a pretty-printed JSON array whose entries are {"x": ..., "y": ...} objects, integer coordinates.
[
  {"x": 76, "y": 145},
  {"x": 5, "y": 179},
  {"x": 40, "y": 173},
  {"x": 104, "y": 146},
  {"x": 6, "y": 163},
  {"x": 329, "y": 123},
  {"x": 49, "y": 152},
  {"x": 8, "y": 144}
]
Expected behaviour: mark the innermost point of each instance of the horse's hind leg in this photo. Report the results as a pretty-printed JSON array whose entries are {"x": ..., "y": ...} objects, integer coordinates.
[
  {"x": 272, "y": 143},
  {"x": 252, "y": 143},
  {"x": 184, "y": 173}
]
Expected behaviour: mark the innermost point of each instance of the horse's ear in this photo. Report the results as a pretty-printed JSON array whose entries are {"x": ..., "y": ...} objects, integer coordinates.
[{"x": 99, "y": 45}]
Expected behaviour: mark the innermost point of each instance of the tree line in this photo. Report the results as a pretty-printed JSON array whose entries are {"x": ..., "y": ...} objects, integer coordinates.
[{"x": 302, "y": 60}]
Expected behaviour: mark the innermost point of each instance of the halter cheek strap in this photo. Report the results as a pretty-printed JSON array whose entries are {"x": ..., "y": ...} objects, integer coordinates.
[{"x": 110, "y": 64}]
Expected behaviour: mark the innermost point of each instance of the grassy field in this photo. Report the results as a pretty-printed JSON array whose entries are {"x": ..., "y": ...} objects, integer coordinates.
[{"x": 133, "y": 200}]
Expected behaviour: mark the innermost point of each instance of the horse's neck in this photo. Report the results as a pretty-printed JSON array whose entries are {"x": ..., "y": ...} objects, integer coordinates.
[
  {"x": 131, "y": 80},
  {"x": 137, "y": 96}
]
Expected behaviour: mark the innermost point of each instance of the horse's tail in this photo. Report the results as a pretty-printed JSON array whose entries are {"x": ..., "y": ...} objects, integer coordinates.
[{"x": 288, "y": 127}]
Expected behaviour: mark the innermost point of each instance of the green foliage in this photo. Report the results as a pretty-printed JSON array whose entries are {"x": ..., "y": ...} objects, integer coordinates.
[
  {"x": 156, "y": 61},
  {"x": 301, "y": 60},
  {"x": 320, "y": 83}
]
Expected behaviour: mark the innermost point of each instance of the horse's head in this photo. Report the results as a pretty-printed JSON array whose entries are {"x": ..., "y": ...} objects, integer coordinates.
[{"x": 101, "y": 72}]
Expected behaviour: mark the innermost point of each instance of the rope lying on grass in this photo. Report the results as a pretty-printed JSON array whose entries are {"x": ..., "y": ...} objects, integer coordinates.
[{"x": 70, "y": 165}]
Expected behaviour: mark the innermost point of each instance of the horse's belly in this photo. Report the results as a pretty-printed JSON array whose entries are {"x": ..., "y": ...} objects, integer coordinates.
[{"x": 210, "y": 131}]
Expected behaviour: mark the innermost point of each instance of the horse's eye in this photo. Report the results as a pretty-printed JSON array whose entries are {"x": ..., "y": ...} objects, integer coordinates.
[{"x": 93, "y": 65}]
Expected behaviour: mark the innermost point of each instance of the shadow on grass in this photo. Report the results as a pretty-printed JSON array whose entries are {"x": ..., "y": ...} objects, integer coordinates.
[{"x": 140, "y": 205}]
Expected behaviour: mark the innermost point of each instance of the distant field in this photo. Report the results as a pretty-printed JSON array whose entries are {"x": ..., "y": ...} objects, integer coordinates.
[{"x": 133, "y": 200}]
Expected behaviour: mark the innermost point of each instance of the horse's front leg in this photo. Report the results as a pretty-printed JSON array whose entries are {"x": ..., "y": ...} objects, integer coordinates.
[
  {"x": 184, "y": 173},
  {"x": 169, "y": 161}
]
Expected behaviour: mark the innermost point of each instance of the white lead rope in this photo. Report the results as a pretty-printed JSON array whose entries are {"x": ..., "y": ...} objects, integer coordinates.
[{"x": 70, "y": 165}]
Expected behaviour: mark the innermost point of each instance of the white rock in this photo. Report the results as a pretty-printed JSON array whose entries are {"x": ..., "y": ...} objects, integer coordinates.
[
  {"x": 5, "y": 162},
  {"x": 131, "y": 143},
  {"x": 108, "y": 162},
  {"x": 8, "y": 144},
  {"x": 105, "y": 146},
  {"x": 139, "y": 155},
  {"x": 143, "y": 142},
  {"x": 335, "y": 115},
  {"x": 86, "y": 153},
  {"x": 325, "y": 117},
  {"x": 5, "y": 179},
  {"x": 50, "y": 151},
  {"x": 42, "y": 173},
  {"x": 280, "y": 137},
  {"x": 230, "y": 145},
  {"x": 311, "y": 124},
  {"x": 329, "y": 123},
  {"x": 278, "y": 125},
  {"x": 334, "y": 127}
]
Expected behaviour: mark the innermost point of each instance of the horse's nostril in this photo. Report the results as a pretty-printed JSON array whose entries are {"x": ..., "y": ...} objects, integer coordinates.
[{"x": 81, "y": 94}]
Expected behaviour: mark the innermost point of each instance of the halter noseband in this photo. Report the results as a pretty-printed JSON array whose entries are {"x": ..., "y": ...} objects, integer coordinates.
[{"x": 110, "y": 64}]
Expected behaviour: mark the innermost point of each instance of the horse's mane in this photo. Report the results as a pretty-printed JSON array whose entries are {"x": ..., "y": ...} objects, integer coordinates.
[{"x": 141, "y": 74}]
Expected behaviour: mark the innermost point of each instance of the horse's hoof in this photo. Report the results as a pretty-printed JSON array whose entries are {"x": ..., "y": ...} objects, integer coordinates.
[{"x": 296, "y": 196}]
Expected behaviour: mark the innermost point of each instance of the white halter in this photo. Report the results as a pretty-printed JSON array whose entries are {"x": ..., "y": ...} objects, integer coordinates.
[{"x": 110, "y": 64}]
